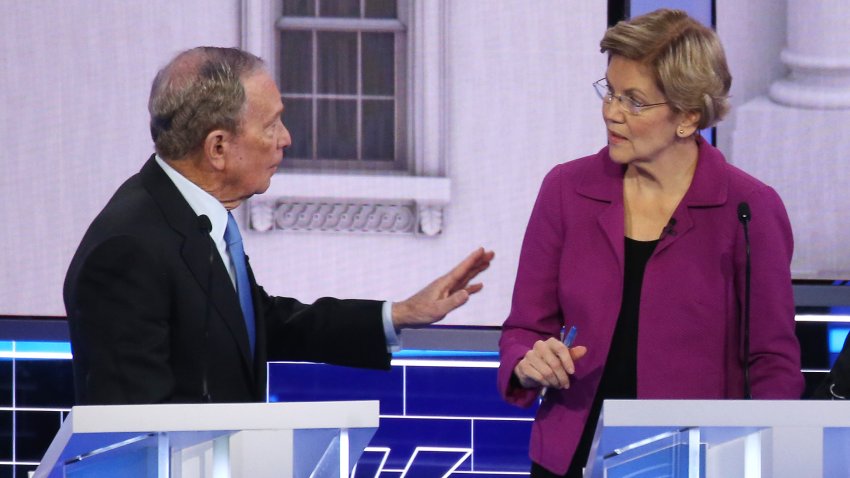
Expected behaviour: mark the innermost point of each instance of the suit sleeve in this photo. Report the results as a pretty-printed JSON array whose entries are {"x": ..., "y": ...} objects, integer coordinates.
[
  {"x": 535, "y": 309},
  {"x": 121, "y": 326},
  {"x": 341, "y": 332},
  {"x": 774, "y": 348}
]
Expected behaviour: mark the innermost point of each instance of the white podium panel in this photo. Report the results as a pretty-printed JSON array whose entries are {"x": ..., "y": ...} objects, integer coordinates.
[
  {"x": 297, "y": 440},
  {"x": 721, "y": 438}
]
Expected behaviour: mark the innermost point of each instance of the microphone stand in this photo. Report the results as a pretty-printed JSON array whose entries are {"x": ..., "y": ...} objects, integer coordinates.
[{"x": 744, "y": 216}]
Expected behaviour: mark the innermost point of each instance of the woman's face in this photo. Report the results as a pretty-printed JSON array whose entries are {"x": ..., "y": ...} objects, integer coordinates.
[{"x": 643, "y": 137}]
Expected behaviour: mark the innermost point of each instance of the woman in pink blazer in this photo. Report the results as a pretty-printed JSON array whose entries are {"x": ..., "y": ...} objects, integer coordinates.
[{"x": 641, "y": 248}]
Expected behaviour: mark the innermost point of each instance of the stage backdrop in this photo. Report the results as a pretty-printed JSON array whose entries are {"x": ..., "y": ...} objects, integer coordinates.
[{"x": 74, "y": 82}]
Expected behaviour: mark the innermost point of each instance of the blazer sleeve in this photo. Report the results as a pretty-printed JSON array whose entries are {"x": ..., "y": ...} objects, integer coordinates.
[
  {"x": 774, "y": 348},
  {"x": 337, "y": 331},
  {"x": 120, "y": 325},
  {"x": 535, "y": 309}
]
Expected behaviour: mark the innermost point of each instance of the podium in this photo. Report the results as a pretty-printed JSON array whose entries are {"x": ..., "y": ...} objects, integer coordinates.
[
  {"x": 721, "y": 438},
  {"x": 308, "y": 439}
]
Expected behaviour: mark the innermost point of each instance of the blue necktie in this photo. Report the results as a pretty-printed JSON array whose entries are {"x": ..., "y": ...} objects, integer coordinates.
[{"x": 243, "y": 286}]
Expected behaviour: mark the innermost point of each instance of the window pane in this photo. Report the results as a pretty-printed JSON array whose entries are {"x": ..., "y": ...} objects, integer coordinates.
[
  {"x": 337, "y": 62},
  {"x": 379, "y": 129},
  {"x": 296, "y": 61},
  {"x": 337, "y": 124},
  {"x": 298, "y": 118},
  {"x": 339, "y": 8},
  {"x": 299, "y": 8},
  {"x": 381, "y": 9},
  {"x": 378, "y": 63}
]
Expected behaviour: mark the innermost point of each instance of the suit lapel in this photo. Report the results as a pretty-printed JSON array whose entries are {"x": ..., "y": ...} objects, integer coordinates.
[
  {"x": 196, "y": 250},
  {"x": 261, "y": 352}
]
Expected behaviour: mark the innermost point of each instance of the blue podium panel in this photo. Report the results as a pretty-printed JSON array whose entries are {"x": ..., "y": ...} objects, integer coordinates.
[
  {"x": 501, "y": 445},
  {"x": 678, "y": 454},
  {"x": 457, "y": 391},
  {"x": 305, "y": 382},
  {"x": 136, "y": 460},
  {"x": 404, "y": 437},
  {"x": 440, "y": 416}
]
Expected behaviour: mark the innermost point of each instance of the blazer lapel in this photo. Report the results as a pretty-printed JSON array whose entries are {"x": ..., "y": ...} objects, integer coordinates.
[
  {"x": 678, "y": 228},
  {"x": 603, "y": 181},
  {"x": 709, "y": 188},
  {"x": 197, "y": 252},
  {"x": 612, "y": 224}
]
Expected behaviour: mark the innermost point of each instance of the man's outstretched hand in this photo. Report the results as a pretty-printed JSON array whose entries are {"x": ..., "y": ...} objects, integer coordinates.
[{"x": 444, "y": 295}]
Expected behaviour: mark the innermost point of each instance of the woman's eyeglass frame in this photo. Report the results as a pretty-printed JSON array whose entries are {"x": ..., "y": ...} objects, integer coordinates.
[{"x": 626, "y": 103}]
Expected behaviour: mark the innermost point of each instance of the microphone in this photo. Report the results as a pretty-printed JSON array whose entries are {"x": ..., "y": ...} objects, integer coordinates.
[
  {"x": 744, "y": 216},
  {"x": 205, "y": 226},
  {"x": 743, "y": 213}
]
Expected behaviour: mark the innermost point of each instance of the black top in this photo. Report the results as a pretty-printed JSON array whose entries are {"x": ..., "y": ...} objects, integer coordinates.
[{"x": 619, "y": 380}]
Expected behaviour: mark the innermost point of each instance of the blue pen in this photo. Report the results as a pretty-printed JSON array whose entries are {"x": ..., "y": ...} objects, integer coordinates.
[{"x": 568, "y": 341}]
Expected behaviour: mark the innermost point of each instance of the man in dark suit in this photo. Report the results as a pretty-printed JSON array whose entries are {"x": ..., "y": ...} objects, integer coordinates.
[{"x": 161, "y": 301}]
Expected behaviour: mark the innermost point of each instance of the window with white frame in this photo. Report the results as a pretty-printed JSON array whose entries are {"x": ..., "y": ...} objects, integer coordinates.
[
  {"x": 365, "y": 145},
  {"x": 342, "y": 72}
]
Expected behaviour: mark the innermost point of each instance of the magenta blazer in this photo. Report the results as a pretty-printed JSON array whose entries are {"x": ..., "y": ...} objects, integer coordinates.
[{"x": 689, "y": 344}]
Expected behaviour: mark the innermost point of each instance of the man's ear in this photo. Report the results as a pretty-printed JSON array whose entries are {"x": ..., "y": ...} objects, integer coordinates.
[{"x": 217, "y": 147}]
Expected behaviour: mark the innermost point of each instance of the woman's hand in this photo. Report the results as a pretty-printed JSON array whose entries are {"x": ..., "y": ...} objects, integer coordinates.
[{"x": 548, "y": 364}]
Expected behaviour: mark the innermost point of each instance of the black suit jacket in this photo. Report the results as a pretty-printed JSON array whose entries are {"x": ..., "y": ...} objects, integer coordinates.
[{"x": 154, "y": 316}]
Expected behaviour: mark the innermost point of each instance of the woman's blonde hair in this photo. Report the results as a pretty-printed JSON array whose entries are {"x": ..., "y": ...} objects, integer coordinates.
[{"x": 685, "y": 56}]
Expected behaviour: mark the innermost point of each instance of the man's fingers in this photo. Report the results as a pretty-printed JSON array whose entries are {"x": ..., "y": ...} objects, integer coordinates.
[
  {"x": 460, "y": 270},
  {"x": 474, "y": 288},
  {"x": 457, "y": 299},
  {"x": 472, "y": 274},
  {"x": 468, "y": 268},
  {"x": 442, "y": 307}
]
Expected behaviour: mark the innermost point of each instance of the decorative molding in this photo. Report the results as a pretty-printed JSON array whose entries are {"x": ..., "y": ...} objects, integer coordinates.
[
  {"x": 345, "y": 215},
  {"x": 430, "y": 220}
]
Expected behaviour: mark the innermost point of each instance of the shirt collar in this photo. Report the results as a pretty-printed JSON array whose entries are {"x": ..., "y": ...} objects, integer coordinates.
[{"x": 201, "y": 202}]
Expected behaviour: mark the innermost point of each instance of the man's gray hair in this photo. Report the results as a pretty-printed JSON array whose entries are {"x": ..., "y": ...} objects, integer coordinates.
[{"x": 199, "y": 91}]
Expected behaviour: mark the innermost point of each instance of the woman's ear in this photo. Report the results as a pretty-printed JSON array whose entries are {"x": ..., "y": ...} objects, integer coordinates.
[{"x": 688, "y": 124}]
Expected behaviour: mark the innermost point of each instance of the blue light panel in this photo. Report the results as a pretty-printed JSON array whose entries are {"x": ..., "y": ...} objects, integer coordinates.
[{"x": 836, "y": 337}]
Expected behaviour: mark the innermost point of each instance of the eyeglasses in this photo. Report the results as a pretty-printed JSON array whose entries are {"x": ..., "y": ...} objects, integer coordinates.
[{"x": 626, "y": 103}]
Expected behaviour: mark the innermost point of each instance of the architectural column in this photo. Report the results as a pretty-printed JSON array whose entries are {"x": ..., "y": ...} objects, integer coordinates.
[
  {"x": 817, "y": 56},
  {"x": 797, "y": 138}
]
